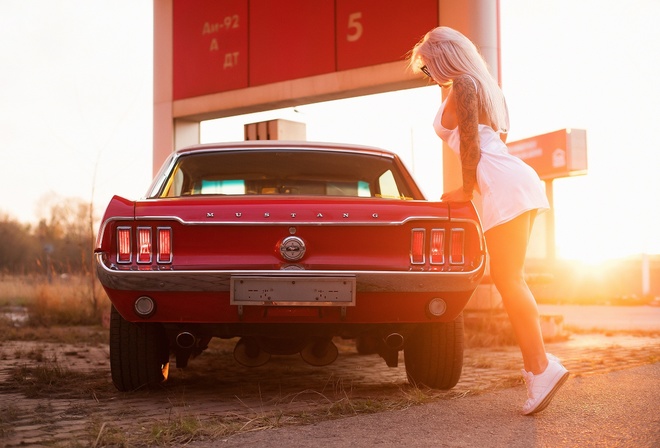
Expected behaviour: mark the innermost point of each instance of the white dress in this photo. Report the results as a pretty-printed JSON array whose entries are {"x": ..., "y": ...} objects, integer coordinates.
[{"x": 509, "y": 187}]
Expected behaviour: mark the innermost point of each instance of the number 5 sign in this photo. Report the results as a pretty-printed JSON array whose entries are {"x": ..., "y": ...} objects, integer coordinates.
[
  {"x": 354, "y": 27},
  {"x": 222, "y": 45},
  {"x": 373, "y": 32}
]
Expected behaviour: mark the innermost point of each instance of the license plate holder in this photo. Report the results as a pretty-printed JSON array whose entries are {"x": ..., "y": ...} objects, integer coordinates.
[{"x": 292, "y": 291}]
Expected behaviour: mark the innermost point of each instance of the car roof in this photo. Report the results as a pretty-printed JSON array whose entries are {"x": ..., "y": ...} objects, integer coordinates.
[{"x": 284, "y": 145}]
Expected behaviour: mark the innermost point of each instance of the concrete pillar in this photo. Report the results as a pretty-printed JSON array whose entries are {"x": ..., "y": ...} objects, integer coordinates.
[{"x": 163, "y": 131}]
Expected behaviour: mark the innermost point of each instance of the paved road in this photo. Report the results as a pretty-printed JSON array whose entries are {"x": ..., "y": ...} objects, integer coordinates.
[
  {"x": 610, "y": 398},
  {"x": 616, "y": 409},
  {"x": 644, "y": 318}
]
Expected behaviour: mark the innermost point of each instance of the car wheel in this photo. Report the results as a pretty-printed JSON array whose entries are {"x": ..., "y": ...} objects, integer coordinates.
[
  {"x": 139, "y": 353},
  {"x": 433, "y": 354}
]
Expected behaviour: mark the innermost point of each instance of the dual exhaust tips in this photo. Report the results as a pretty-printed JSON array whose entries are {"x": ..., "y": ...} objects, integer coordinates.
[{"x": 317, "y": 352}]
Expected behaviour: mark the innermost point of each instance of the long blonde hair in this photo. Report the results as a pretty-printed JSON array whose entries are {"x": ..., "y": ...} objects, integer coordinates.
[{"x": 447, "y": 54}]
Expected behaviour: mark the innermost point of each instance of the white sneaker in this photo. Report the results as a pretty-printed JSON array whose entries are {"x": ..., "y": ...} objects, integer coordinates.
[
  {"x": 553, "y": 357},
  {"x": 542, "y": 387}
]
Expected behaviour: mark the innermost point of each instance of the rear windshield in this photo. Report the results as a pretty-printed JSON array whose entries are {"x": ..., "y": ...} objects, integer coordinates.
[{"x": 315, "y": 173}]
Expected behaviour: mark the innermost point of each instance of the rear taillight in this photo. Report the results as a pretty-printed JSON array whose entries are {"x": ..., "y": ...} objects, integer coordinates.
[
  {"x": 417, "y": 255},
  {"x": 456, "y": 256},
  {"x": 144, "y": 245},
  {"x": 437, "y": 246},
  {"x": 164, "y": 245},
  {"x": 124, "y": 254}
]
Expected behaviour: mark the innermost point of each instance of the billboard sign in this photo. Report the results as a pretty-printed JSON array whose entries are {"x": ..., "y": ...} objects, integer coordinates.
[{"x": 556, "y": 154}]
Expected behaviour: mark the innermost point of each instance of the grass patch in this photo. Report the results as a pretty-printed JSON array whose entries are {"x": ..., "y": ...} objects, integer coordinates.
[
  {"x": 65, "y": 300},
  {"x": 179, "y": 429},
  {"x": 78, "y": 335},
  {"x": 51, "y": 380}
]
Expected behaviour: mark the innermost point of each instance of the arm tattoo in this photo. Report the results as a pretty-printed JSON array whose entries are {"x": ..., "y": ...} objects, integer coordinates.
[{"x": 467, "y": 112}]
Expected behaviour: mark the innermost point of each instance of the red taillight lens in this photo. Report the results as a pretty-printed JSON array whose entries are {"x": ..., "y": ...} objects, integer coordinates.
[
  {"x": 437, "y": 246},
  {"x": 124, "y": 245},
  {"x": 165, "y": 245},
  {"x": 456, "y": 256},
  {"x": 144, "y": 245},
  {"x": 417, "y": 246}
]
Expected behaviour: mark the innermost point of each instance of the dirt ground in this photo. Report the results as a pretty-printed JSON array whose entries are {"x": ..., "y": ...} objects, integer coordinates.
[{"x": 60, "y": 394}]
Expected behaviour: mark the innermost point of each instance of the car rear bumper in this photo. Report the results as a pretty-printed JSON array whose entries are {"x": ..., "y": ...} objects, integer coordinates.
[{"x": 220, "y": 281}]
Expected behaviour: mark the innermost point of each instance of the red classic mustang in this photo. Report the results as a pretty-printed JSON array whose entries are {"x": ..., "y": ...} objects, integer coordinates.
[{"x": 285, "y": 246}]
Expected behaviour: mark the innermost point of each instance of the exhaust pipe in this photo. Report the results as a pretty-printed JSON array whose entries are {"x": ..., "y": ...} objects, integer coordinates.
[
  {"x": 185, "y": 339},
  {"x": 394, "y": 341},
  {"x": 319, "y": 352}
]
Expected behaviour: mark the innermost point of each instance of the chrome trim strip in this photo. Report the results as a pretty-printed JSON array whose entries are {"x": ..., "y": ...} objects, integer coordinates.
[
  {"x": 291, "y": 222},
  {"x": 214, "y": 280}
]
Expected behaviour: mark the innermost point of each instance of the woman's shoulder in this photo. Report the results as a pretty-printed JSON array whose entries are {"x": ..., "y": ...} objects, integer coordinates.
[
  {"x": 464, "y": 88},
  {"x": 465, "y": 81}
]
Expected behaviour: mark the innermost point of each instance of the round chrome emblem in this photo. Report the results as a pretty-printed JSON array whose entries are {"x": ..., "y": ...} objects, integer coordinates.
[{"x": 292, "y": 248}]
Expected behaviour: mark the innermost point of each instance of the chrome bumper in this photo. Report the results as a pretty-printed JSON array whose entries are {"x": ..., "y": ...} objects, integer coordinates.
[{"x": 213, "y": 280}]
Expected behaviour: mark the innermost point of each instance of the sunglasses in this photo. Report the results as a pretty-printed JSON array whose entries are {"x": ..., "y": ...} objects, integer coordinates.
[{"x": 426, "y": 71}]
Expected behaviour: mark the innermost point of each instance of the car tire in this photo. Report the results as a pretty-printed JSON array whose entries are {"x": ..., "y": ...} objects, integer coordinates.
[
  {"x": 433, "y": 354},
  {"x": 139, "y": 353}
]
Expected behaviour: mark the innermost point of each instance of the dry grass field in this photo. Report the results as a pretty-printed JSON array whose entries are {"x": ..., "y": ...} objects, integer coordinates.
[{"x": 64, "y": 300}]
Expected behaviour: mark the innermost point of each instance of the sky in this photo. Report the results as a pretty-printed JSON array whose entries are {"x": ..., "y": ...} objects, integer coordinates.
[{"x": 76, "y": 110}]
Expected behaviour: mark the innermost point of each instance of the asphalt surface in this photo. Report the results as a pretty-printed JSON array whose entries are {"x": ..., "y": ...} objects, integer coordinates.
[
  {"x": 609, "y": 400},
  {"x": 601, "y": 317},
  {"x": 619, "y": 409}
]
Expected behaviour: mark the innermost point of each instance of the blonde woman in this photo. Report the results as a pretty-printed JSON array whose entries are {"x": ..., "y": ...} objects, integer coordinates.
[{"x": 473, "y": 121}]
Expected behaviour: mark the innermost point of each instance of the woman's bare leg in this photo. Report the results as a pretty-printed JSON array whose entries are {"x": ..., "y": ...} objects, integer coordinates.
[{"x": 507, "y": 247}]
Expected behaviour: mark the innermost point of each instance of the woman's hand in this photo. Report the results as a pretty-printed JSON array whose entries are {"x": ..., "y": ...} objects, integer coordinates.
[{"x": 458, "y": 195}]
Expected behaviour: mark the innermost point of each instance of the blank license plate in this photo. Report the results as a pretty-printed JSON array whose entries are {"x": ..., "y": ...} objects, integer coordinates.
[{"x": 293, "y": 291}]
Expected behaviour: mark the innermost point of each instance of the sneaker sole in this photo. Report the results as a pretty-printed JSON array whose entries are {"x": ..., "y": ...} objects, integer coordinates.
[{"x": 548, "y": 398}]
